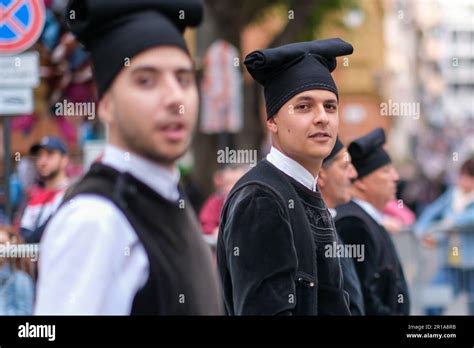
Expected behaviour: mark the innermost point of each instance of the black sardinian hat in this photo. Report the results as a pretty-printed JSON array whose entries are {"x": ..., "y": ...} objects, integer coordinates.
[
  {"x": 291, "y": 69},
  {"x": 368, "y": 153},
  {"x": 338, "y": 146},
  {"x": 114, "y": 30}
]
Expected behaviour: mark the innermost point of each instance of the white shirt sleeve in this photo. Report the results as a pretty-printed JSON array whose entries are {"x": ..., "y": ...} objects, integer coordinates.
[{"x": 90, "y": 262}]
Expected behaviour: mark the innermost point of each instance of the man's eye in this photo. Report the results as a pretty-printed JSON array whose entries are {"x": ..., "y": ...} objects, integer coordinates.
[
  {"x": 145, "y": 81},
  {"x": 302, "y": 107},
  {"x": 331, "y": 107},
  {"x": 185, "y": 80}
]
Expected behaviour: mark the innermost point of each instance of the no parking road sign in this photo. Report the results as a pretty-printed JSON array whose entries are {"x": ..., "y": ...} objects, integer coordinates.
[{"x": 21, "y": 23}]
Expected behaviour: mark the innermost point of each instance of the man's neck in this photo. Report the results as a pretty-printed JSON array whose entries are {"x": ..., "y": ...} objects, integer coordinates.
[
  {"x": 55, "y": 182},
  {"x": 362, "y": 197},
  {"x": 313, "y": 166},
  {"x": 168, "y": 166},
  {"x": 161, "y": 179},
  {"x": 327, "y": 199},
  {"x": 292, "y": 168}
]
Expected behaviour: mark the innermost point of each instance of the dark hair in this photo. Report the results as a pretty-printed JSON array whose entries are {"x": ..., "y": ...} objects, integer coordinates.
[{"x": 467, "y": 167}]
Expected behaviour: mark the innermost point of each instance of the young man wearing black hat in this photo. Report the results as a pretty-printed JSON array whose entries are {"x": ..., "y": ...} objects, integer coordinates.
[
  {"x": 359, "y": 222},
  {"x": 51, "y": 160},
  {"x": 334, "y": 181},
  {"x": 126, "y": 241},
  {"x": 275, "y": 224}
]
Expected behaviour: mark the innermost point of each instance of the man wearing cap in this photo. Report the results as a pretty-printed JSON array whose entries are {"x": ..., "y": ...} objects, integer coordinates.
[
  {"x": 51, "y": 160},
  {"x": 274, "y": 223},
  {"x": 126, "y": 240},
  {"x": 335, "y": 180},
  {"x": 359, "y": 222}
]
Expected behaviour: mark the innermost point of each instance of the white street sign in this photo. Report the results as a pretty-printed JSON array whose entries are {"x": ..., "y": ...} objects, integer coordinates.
[
  {"x": 16, "y": 101},
  {"x": 21, "y": 70}
]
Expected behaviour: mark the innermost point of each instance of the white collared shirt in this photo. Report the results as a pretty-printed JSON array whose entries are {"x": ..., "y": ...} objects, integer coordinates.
[
  {"x": 160, "y": 179},
  {"x": 371, "y": 210},
  {"x": 292, "y": 168},
  {"x": 91, "y": 260}
]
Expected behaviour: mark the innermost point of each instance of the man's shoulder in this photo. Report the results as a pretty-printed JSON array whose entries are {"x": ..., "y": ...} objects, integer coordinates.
[
  {"x": 39, "y": 195},
  {"x": 352, "y": 216},
  {"x": 249, "y": 192},
  {"x": 88, "y": 217},
  {"x": 249, "y": 189},
  {"x": 348, "y": 210},
  {"x": 263, "y": 180},
  {"x": 87, "y": 206},
  {"x": 88, "y": 210}
]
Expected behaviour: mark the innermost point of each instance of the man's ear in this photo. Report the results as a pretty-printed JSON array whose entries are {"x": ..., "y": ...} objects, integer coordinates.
[
  {"x": 322, "y": 177},
  {"x": 106, "y": 109},
  {"x": 64, "y": 161},
  {"x": 272, "y": 125},
  {"x": 360, "y": 184}
]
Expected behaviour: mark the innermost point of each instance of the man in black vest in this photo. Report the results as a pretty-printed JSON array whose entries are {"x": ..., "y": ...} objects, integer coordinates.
[
  {"x": 335, "y": 179},
  {"x": 359, "y": 222},
  {"x": 275, "y": 224},
  {"x": 126, "y": 241}
]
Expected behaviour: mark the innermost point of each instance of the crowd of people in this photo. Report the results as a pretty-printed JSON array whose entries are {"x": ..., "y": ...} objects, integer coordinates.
[{"x": 307, "y": 231}]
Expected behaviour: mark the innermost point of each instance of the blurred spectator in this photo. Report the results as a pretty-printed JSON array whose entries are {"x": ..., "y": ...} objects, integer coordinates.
[
  {"x": 26, "y": 173},
  {"x": 420, "y": 191},
  {"x": 51, "y": 162},
  {"x": 16, "y": 286},
  {"x": 449, "y": 223},
  {"x": 16, "y": 194},
  {"x": 210, "y": 214},
  {"x": 397, "y": 216}
]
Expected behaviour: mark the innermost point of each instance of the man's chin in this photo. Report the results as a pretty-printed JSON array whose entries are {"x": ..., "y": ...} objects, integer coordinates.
[
  {"x": 175, "y": 153},
  {"x": 346, "y": 199},
  {"x": 321, "y": 152},
  {"x": 320, "y": 155},
  {"x": 46, "y": 177},
  {"x": 166, "y": 157}
]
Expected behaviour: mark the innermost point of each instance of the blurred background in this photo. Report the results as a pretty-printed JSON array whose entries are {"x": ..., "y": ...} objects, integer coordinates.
[{"x": 412, "y": 73}]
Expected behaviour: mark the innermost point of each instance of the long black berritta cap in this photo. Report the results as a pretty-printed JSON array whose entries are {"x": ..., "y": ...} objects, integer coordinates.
[
  {"x": 114, "y": 30},
  {"x": 367, "y": 152},
  {"x": 291, "y": 69},
  {"x": 338, "y": 146}
]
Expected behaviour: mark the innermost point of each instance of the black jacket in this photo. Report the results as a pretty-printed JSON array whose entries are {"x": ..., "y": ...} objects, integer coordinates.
[
  {"x": 380, "y": 273},
  {"x": 266, "y": 253},
  {"x": 352, "y": 286}
]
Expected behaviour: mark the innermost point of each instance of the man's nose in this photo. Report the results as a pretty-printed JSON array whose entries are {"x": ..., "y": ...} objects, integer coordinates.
[
  {"x": 321, "y": 115},
  {"x": 174, "y": 95},
  {"x": 40, "y": 161},
  {"x": 395, "y": 175},
  {"x": 352, "y": 171}
]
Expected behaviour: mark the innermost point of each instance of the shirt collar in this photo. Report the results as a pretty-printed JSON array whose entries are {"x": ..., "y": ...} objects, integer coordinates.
[
  {"x": 160, "y": 179},
  {"x": 370, "y": 209},
  {"x": 292, "y": 168}
]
